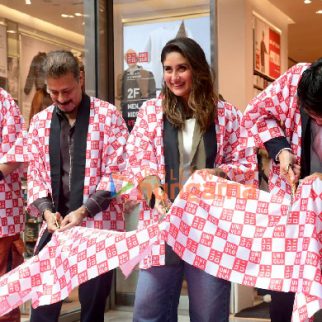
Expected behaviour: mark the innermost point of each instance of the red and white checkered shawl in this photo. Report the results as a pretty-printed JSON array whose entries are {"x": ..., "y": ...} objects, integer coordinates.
[
  {"x": 145, "y": 153},
  {"x": 105, "y": 154},
  {"x": 273, "y": 113},
  {"x": 231, "y": 231},
  {"x": 11, "y": 199}
]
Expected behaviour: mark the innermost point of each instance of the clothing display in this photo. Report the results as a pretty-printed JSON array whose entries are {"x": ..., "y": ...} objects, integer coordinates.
[
  {"x": 135, "y": 86},
  {"x": 156, "y": 41}
]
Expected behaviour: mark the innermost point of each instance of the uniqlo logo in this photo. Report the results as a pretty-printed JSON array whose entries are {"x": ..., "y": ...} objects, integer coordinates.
[
  {"x": 100, "y": 246},
  {"x": 14, "y": 287},
  {"x": 123, "y": 258},
  {"x": 239, "y": 265},
  {"x": 265, "y": 270},
  {"x": 221, "y": 233},
  {"x": 230, "y": 249},
  {"x": 215, "y": 256},
  {"x": 288, "y": 271},
  {"x": 312, "y": 259},
  {"x": 91, "y": 261},
  {"x": 293, "y": 217},
  {"x": 198, "y": 223},
  {"x": 35, "y": 280},
  {"x": 250, "y": 218},
  {"x": 240, "y": 204},
  {"x": 82, "y": 277},
  {"x": 249, "y": 280},
  {"x": 81, "y": 256},
  {"x": 224, "y": 273},
  {"x": 245, "y": 242},
  {"x": 236, "y": 229},
  {"x": 44, "y": 265},
  {"x": 266, "y": 244},
  {"x": 259, "y": 232},
  {"x": 132, "y": 241},
  {"x": 199, "y": 262},
  {"x": 23, "y": 273},
  {"x": 184, "y": 228},
  {"x": 278, "y": 258},
  {"x": 192, "y": 245},
  {"x": 233, "y": 190},
  {"x": 227, "y": 214},
  {"x": 279, "y": 231},
  {"x": 291, "y": 244},
  {"x": 111, "y": 251},
  {"x": 178, "y": 249},
  {"x": 276, "y": 284},
  {"x": 73, "y": 270},
  {"x": 173, "y": 230},
  {"x": 143, "y": 57},
  {"x": 131, "y": 58},
  {"x": 190, "y": 208},
  {"x": 303, "y": 204},
  {"x": 206, "y": 239},
  {"x": 102, "y": 267},
  {"x": 62, "y": 282},
  {"x": 255, "y": 257},
  {"x": 212, "y": 219},
  {"x": 262, "y": 207},
  {"x": 310, "y": 217}
]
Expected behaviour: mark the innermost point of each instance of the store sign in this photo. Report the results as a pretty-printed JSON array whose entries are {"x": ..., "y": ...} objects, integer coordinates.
[{"x": 267, "y": 49}]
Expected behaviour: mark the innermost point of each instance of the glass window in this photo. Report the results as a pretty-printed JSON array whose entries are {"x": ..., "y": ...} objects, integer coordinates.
[{"x": 141, "y": 29}]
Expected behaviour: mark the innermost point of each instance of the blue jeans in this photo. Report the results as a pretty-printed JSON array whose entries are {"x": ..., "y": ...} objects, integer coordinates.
[{"x": 158, "y": 291}]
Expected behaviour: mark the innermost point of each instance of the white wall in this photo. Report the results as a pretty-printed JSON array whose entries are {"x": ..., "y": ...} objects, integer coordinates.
[{"x": 235, "y": 46}]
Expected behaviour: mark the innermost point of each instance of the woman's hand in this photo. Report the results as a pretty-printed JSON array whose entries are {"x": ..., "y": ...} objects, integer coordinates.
[{"x": 288, "y": 168}]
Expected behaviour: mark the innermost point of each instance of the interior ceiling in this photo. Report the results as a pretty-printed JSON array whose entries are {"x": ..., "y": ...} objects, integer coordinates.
[{"x": 305, "y": 35}]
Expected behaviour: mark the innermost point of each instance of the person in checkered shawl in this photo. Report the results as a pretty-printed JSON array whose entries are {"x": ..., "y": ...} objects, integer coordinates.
[
  {"x": 185, "y": 129},
  {"x": 286, "y": 119},
  {"x": 75, "y": 145},
  {"x": 11, "y": 200}
]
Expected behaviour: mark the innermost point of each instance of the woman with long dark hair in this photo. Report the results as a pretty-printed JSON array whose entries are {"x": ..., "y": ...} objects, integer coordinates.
[{"x": 186, "y": 128}]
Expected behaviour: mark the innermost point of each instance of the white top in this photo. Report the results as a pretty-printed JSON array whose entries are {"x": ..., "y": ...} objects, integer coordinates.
[{"x": 187, "y": 134}]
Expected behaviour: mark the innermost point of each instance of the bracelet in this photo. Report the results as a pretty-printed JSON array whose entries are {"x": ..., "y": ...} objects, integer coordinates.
[{"x": 280, "y": 151}]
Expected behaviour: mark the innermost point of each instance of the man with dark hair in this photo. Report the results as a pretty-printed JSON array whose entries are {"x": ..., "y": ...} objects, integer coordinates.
[
  {"x": 12, "y": 220},
  {"x": 75, "y": 145},
  {"x": 286, "y": 119}
]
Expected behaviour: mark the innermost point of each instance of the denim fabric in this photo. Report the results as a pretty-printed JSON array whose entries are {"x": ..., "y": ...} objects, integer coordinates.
[{"x": 158, "y": 291}]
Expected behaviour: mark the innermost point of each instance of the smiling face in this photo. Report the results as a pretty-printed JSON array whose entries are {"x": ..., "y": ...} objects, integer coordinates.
[
  {"x": 177, "y": 74},
  {"x": 66, "y": 91}
]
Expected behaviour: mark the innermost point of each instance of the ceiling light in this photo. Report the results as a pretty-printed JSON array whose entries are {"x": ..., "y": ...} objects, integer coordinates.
[
  {"x": 307, "y": 1},
  {"x": 28, "y": 1},
  {"x": 78, "y": 14},
  {"x": 319, "y": 12},
  {"x": 10, "y": 31}
]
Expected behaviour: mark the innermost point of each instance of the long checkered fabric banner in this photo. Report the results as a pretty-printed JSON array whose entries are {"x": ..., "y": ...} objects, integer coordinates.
[{"x": 229, "y": 230}]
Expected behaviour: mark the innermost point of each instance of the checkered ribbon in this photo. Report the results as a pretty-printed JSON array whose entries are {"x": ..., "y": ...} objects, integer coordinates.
[{"x": 231, "y": 231}]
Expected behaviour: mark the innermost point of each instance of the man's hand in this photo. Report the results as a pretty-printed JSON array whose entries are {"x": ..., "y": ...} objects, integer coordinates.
[
  {"x": 162, "y": 203},
  {"x": 74, "y": 218},
  {"x": 288, "y": 168},
  {"x": 53, "y": 220},
  {"x": 218, "y": 173}
]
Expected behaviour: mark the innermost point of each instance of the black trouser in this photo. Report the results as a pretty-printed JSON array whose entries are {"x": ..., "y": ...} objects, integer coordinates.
[
  {"x": 92, "y": 297},
  {"x": 281, "y": 306}
]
